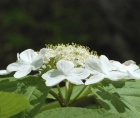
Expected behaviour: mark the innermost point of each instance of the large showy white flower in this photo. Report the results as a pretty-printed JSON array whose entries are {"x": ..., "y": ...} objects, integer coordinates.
[
  {"x": 27, "y": 61},
  {"x": 65, "y": 70},
  {"x": 128, "y": 67},
  {"x": 101, "y": 68}
]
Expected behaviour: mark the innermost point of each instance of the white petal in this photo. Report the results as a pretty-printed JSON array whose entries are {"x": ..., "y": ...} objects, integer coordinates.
[
  {"x": 28, "y": 55},
  {"x": 15, "y": 66},
  {"x": 78, "y": 73},
  {"x": 135, "y": 74},
  {"x": 131, "y": 67},
  {"x": 129, "y": 62},
  {"x": 116, "y": 75},
  {"x": 94, "y": 72},
  {"x": 18, "y": 57},
  {"x": 94, "y": 79},
  {"x": 43, "y": 51},
  {"x": 93, "y": 64},
  {"x": 105, "y": 64},
  {"x": 64, "y": 66},
  {"x": 137, "y": 71},
  {"x": 53, "y": 81},
  {"x": 53, "y": 74},
  {"x": 75, "y": 81},
  {"x": 4, "y": 72},
  {"x": 119, "y": 66},
  {"x": 23, "y": 72},
  {"x": 37, "y": 64},
  {"x": 38, "y": 61},
  {"x": 53, "y": 77}
]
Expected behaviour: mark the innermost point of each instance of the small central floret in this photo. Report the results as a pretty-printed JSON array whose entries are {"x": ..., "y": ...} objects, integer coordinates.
[{"x": 75, "y": 53}]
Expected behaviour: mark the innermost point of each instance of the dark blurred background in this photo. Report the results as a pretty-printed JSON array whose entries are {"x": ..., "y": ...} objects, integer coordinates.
[{"x": 111, "y": 27}]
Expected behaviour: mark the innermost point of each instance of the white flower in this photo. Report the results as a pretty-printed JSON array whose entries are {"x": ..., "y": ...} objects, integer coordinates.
[
  {"x": 65, "y": 70},
  {"x": 27, "y": 61},
  {"x": 101, "y": 68},
  {"x": 128, "y": 67}
]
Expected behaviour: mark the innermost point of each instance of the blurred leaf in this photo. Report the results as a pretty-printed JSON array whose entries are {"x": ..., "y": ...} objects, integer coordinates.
[
  {"x": 11, "y": 104},
  {"x": 33, "y": 88},
  {"x": 17, "y": 39},
  {"x": 18, "y": 16}
]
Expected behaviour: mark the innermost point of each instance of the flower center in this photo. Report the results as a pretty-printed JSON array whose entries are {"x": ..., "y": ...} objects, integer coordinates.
[{"x": 74, "y": 52}]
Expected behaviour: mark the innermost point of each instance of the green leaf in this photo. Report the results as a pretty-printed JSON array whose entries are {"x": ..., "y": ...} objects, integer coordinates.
[
  {"x": 73, "y": 112},
  {"x": 11, "y": 104},
  {"x": 119, "y": 97},
  {"x": 92, "y": 106},
  {"x": 33, "y": 88},
  {"x": 50, "y": 105}
]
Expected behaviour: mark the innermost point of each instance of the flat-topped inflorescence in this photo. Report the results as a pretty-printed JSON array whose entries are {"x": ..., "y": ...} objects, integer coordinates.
[{"x": 74, "y": 52}]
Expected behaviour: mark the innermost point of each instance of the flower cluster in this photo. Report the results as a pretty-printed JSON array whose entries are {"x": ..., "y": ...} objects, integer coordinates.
[
  {"x": 74, "y": 53},
  {"x": 73, "y": 63}
]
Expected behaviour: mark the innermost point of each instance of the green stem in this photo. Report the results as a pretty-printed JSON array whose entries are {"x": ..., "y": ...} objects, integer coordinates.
[
  {"x": 57, "y": 97},
  {"x": 78, "y": 94},
  {"x": 66, "y": 91},
  {"x": 60, "y": 93},
  {"x": 71, "y": 86},
  {"x": 81, "y": 99}
]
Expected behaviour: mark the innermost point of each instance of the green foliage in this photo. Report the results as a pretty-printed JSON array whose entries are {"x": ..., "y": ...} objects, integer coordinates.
[
  {"x": 33, "y": 88},
  {"x": 49, "y": 106},
  {"x": 11, "y": 104},
  {"x": 119, "y": 97},
  {"x": 75, "y": 91},
  {"x": 74, "y": 112}
]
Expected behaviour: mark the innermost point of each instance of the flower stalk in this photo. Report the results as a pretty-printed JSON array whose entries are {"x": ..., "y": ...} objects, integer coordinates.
[
  {"x": 75, "y": 98},
  {"x": 68, "y": 92},
  {"x": 60, "y": 93},
  {"x": 57, "y": 98}
]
